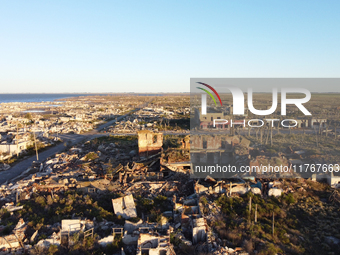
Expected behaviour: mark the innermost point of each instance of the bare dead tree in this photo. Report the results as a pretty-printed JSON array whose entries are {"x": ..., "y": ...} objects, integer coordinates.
[
  {"x": 316, "y": 137},
  {"x": 335, "y": 127},
  {"x": 320, "y": 128},
  {"x": 271, "y": 135},
  {"x": 232, "y": 131},
  {"x": 267, "y": 135},
  {"x": 255, "y": 213},
  {"x": 273, "y": 226}
]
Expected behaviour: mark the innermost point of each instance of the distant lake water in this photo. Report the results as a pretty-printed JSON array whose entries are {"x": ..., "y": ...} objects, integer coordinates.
[{"x": 7, "y": 98}]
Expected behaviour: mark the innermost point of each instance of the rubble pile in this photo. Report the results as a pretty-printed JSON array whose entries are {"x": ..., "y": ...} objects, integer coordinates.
[{"x": 133, "y": 197}]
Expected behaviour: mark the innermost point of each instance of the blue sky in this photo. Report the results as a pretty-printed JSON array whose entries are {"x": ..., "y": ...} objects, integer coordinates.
[{"x": 157, "y": 46}]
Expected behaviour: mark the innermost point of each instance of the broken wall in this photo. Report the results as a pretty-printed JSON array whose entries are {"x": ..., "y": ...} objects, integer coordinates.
[
  {"x": 199, "y": 230},
  {"x": 149, "y": 143},
  {"x": 213, "y": 142},
  {"x": 125, "y": 206}
]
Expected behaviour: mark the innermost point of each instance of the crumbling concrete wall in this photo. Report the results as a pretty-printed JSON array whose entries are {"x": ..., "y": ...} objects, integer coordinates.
[
  {"x": 130, "y": 226},
  {"x": 153, "y": 244},
  {"x": 148, "y": 241},
  {"x": 72, "y": 225},
  {"x": 149, "y": 143},
  {"x": 275, "y": 192},
  {"x": 213, "y": 142},
  {"x": 256, "y": 191},
  {"x": 186, "y": 142},
  {"x": 199, "y": 230},
  {"x": 240, "y": 189},
  {"x": 13, "y": 240},
  {"x": 125, "y": 206},
  {"x": 157, "y": 251},
  {"x": 332, "y": 180}
]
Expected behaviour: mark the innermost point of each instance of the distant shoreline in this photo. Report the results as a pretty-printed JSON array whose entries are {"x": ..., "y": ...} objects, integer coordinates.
[
  {"x": 52, "y": 97},
  {"x": 34, "y": 98}
]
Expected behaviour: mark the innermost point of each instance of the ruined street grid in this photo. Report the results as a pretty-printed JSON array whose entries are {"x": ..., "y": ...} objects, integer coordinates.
[{"x": 122, "y": 183}]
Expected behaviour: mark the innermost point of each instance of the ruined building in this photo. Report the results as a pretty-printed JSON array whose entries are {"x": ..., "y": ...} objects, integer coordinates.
[
  {"x": 149, "y": 143},
  {"x": 125, "y": 206},
  {"x": 185, "y": 142},
  {"x": 154, "y": 244},
  {"x": 212, "y": 148},
  {"x": 15, "y": 239}
]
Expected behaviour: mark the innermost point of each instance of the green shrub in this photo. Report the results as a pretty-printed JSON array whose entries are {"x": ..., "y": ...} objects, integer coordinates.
[{"x": 91, "y": 156}]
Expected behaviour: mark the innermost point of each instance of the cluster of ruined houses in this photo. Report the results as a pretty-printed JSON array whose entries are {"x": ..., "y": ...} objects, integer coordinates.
[
  {"x": 144, "y": 236},
  {"x": 64, "y": 171},
  {"x": 63, "y": 118},
  {"x": 39, "y": 124},
  {"x": 221, "y": 150},
  {"x": 145, "y": 119},
  {"x": 132, "y": 125},
  {"x": 11, "y": 144},
  {"x": 153, "y": 238},
  {"x": 148, "y": 177},
  {"x": 16, "y": 238},
  {"x": 72, "y": 170},
  {"x": 67, "y": 110},
  {"x": 15, "y": 141}
]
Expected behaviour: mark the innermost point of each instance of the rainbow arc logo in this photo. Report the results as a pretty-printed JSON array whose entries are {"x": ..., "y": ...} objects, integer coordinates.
[
  {"x": 208, "y": 92},
  {"x": 204, "y": 97}
]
